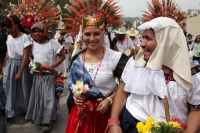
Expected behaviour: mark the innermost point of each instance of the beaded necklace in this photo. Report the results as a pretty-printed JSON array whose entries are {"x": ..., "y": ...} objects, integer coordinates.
[{"x": 97, "y": 67}]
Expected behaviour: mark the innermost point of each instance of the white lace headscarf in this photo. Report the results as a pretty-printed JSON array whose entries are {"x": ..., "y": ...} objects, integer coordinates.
[{"x": 171, "y": 51}]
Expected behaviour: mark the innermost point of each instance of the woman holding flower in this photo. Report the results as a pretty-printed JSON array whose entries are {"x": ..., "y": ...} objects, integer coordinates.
[
  {"x": 91, "y": 82},
  {"x": 44, "y": 103},
  {"x": 16, "y": 76}
]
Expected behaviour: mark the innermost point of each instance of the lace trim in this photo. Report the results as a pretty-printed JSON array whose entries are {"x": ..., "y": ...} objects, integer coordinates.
[{"x": 143, "y": 81}]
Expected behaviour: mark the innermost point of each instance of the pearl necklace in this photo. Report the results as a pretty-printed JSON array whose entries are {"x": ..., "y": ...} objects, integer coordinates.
[{"x": 97, "y": 67}]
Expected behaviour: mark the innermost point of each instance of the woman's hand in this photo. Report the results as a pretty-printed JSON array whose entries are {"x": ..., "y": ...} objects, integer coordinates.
[
  {"x": 103, "y": 106},
  {"x": 19, "y": 75},
  {"x": 51, "y": 68},
  {"x": 115, "y": 129},
  {"x": 78, "y": 100}
]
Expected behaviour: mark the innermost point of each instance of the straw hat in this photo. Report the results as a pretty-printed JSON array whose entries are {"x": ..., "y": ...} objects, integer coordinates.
[
  {"x": 132, "y": 32},
  {"x": 121, "y": 30},
  {"x": 61, "y": 26}
]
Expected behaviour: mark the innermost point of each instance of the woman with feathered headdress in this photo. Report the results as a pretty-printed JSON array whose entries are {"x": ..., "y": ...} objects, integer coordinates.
[{"x": 92, "y": 66}]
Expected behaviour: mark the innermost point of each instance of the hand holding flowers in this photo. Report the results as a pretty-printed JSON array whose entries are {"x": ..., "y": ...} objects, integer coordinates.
[{"x": 79, "y": 89}]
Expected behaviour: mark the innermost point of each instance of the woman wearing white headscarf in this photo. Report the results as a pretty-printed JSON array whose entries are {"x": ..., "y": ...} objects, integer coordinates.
[{"x": 161, "y": 68}]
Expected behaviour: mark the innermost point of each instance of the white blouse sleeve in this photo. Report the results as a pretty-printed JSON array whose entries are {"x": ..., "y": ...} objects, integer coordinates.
[
  {"x": 129, "y": 64},
  {"x": 27, "y": 40},
  {"x": 56, "y": 46},
  {"x": 194, "y": 92}
]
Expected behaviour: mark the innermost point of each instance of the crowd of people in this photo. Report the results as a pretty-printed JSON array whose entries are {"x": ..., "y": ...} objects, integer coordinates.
[{"x": 115, "y": 81}]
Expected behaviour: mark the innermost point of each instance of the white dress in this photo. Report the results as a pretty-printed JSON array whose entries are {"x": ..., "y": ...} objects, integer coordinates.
[
  {"x": 143, "y": 106},
  {"x": 17, "y": 91},
  {"x": 44, "y": 104},
  {"x": 67, "y": 42}
]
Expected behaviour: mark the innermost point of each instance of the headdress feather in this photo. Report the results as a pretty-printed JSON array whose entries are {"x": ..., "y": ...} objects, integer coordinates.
[
  {"x": 31, "y": 11},
  {"x": 164, "y": 8},
  {"x": 79, "y": 9}
]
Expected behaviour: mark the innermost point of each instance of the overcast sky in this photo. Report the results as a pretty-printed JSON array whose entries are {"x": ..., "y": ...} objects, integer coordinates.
[{"x": 134, "y": 8}]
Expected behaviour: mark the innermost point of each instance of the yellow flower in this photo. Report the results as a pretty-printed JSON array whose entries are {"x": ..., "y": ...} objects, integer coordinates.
[
  {"x": 174, "y": 124},
  {"x": 78, "y": 83},
  {"x": 157, "y": 124},
  {"x": 149, "y": 121},
  {"x": 76, "y": 46},
  {"x": 147, "y": 128},
  {"x": 140, "y": 126},
  {"x": 1, "y": 76}
]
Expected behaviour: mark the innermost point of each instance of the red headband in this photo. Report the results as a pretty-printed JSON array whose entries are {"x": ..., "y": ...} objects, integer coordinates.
[{"x": 14, "y": 24}]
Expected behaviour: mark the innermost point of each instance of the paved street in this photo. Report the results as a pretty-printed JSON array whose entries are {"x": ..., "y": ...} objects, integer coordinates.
[{"x": 20, "y": 125}]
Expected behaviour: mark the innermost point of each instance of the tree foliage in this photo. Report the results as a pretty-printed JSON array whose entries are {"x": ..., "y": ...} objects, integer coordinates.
[{"x": 128, "y": 25}]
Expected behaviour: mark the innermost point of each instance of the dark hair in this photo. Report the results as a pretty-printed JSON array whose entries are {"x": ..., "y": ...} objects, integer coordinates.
[
  {"x": 7, "y": 22},
  {"x": 189, "y": 35},
  {"x": 196, "y": 38}
]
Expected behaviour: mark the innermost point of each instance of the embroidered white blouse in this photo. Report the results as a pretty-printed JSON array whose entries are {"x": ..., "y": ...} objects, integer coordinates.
[
  {"x": 15, "y": 46},
  {"x": 105, "y": 81},
  {"x": 143, "y": 106},
  {"x": 46, "y": 53}
]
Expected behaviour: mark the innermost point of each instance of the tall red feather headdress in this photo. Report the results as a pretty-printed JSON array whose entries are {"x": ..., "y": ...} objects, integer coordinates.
[
  {"x": 31, "y": 11},
  {"x": 165, "y": 8},
  {"x": 79, "y": 9}
]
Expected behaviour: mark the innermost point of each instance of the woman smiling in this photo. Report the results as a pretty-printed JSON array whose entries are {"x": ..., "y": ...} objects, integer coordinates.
[{"x": 96, "y": 67}]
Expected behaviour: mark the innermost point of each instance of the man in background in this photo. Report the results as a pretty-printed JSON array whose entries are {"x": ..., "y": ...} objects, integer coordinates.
[{"x": 132, "y": 33}]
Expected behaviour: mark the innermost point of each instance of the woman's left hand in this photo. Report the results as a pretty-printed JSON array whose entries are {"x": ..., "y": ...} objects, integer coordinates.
[
  {"x": 51, "y": 68},
  {"x": 19, "y": 75},
  {"x": 103, "y": 106}
]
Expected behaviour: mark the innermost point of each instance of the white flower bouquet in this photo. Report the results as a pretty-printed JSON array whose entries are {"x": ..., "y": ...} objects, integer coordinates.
[
  {"x": 79, "y": 88},
  {"x": 34, "y": 66}
]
